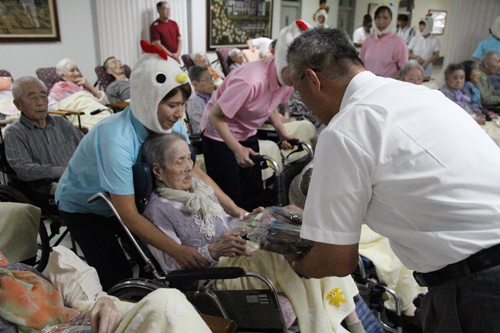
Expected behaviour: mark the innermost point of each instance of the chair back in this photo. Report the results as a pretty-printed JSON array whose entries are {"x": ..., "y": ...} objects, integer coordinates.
[
  {"x": 49, "y": 76},
  {"x": 188, "y": 61},
  {"x": 223, "y": 56},
  {"x": 105, "y": 79}
]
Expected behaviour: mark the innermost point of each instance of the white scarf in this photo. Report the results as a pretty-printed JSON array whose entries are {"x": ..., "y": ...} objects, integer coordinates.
[{"x": 199, "y": 201}]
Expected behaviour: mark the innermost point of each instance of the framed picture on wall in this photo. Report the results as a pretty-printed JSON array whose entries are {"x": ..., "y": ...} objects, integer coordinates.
[
  {"x": 233, "y": 22},
  {"x": 29, "y": 21},
  {"x": 439, "y": 17}
]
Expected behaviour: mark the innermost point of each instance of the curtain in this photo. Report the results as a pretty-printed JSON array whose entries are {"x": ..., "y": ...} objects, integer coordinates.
[
  {"x": 122, "y": 24},
  {"x": 467, "y": 24}
]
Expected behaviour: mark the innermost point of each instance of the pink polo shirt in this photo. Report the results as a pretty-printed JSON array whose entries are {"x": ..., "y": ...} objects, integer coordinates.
[
  {"x": 247, "y": 97},
  {"x": 384, "y": 56}
]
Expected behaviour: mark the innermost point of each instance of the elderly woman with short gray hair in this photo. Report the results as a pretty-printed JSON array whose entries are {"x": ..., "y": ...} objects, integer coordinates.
[
  {"x": 412, "y": 72},
  {"x": 186, "y": 210},
  {"x": 73, "y": 82}
]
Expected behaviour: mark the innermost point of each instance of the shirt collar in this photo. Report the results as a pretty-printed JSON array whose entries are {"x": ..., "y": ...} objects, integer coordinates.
[
  {"x": 272, "y": 75},
  {"x": 28, "y": 123},
  {"x": 140, "y": 129},
  {"x": 356, "y": 82},
  {"x": 205, "y": 97}
]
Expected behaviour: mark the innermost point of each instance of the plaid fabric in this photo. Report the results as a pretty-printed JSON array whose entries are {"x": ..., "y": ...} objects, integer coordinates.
[
  {"x": 48, "y": 76},
  {"x": 370, "y": 323},
  {"x": 223, "y": 56},
  {"x": 105, "y": 79}
]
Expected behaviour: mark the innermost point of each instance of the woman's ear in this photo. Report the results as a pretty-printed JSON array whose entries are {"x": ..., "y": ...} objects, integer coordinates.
[{"x": 155, "y": 167}]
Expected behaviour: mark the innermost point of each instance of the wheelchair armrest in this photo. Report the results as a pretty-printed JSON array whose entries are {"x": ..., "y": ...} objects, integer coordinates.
[
  {"x": 65, "y": 113},
  {"x": 206, "y": 274}
]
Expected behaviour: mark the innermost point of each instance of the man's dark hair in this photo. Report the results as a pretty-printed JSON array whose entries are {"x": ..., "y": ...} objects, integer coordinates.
[
  {"x": 381, "y": 9},
  {"x": 105, "y": 64},
  {"x": 367, "y": 19},
  {"x": 196, "y": 72},
  {"x": 159, "y": 4},
  {"x": 273, "y": 44},
  {"x": 403, "y": 17},
  {"x": 451, "y": 68},
  {"x": 469, "y": 66},
  {"x": 421, "y": 22},
  {"x": 329, "y": 51}
]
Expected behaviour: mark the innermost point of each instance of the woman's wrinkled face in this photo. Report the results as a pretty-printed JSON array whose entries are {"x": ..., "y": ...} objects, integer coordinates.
[
  {"x": 456, "y": 79},
  {"x": 383, "y": 19},
  {"x": 475, "y": 75},
  {"x": 72, "y": 73},
  {"x": 414, "y": 76},
  {"x": 177, "y": 173},
  {"x": 237, "y": 57},
  {"x": 170, "y": 111}
]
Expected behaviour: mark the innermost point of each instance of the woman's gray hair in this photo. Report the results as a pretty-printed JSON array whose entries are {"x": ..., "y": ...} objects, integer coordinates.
[
  {"x": 61, "y": 66},
  {"x": 233, "y": 52},
  {"x": 408, "y": 67},
  {"x": 18, "y": 85},
  {"x": 157, "y": 147}
]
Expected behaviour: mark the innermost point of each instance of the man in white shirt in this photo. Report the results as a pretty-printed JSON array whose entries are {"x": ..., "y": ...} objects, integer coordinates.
[
  {"x": 404, "y": 30},
  {"x": 431, "y": 187},
  {"x": 360, "y": 34},
  {"x": 424, "y": 49}
]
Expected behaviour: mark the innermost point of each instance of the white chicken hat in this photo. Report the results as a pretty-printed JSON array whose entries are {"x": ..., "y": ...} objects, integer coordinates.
[
  {"x": 287, "y": 35},
  {"x": 153, "y": 77},
  {"x": 429, "y": 23}
]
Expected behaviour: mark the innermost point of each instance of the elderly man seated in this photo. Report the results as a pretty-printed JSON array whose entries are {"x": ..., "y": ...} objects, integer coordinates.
[
  {"x": 203, "y": 84},
  {"x": 76, "y": 93},
  {"x": 201, "y": 59},
  {"x": 119, "y": 89},
  {"x": 185, "y": 209},
  {"x": 236, "y": 59},
  {"x": 489, "y": 64},
  {"x": 38, "y": 145}
]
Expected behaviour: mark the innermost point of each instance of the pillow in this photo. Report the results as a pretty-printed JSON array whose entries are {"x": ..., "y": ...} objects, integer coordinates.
[
  {"x": 75, "y": 280},
  {"x": 5, "y": 83}
]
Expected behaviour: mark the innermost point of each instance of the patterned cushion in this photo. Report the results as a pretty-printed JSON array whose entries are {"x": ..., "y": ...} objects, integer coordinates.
[
  {"x": 223, "y": 55},
  {"x": 106, "y": 78},
  {"x": 48, "y": 76}
]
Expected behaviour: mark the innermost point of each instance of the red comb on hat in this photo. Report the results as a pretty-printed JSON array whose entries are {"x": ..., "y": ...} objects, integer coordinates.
[
  {"x": 301, "y": 25},
  {"x": 151, "y": 48}
]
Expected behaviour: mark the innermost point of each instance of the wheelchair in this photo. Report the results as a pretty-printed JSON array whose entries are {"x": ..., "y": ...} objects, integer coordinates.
[
  {"x": 14, "y": 190},
  {"x": 252, "y": 310}
]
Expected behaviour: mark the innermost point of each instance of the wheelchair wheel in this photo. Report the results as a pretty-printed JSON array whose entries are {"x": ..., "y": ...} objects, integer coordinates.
[
  {"x": 9, "y": 194},
  {"x": 134, "y": 289}
]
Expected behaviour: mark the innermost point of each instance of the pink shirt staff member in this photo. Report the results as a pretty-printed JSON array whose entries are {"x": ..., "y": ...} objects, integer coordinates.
[
  {"x": 384, "y": 53},
  {"x": 246, "y": 99}
]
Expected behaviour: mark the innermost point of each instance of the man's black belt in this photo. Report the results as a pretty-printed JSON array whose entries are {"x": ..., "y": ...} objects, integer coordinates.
[{"x": 477, "y": 262}]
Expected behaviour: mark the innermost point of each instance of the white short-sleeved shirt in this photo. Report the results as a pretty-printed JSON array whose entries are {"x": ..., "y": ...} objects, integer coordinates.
[
  {"x": 360, "y": 35},
  {"x": 424, "y": 48},
  {"x": 413, "y": 166}
]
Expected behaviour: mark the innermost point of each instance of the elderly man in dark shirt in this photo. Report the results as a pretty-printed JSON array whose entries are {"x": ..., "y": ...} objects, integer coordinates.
[{"x": 38, "y": 145}]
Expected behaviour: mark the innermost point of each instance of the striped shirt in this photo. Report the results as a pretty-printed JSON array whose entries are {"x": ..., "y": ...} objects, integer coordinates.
[{"x": 37, "y": 153}]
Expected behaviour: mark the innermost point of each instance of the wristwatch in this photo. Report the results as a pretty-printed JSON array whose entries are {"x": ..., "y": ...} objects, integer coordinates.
[{"x": 294, "y": 261}]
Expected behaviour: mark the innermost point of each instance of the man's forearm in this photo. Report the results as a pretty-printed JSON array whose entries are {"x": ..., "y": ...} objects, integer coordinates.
[{"x": 160, "y": 45}]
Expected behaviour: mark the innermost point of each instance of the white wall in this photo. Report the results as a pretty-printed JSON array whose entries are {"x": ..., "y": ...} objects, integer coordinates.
[{"x": 76, "y": 27}]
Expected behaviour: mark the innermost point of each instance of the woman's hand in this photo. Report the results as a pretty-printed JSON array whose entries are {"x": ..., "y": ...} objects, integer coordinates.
[
  {"x": 81, "y": 81},
  {"x": 188, "y": 258},
  {"x": 242, "y": 155},
  {"x": 103, "y": 316},
  {"x": 228, "y": 245},
  {"x": 493, "y": 115},
  {"x": 285, "y": 145}
]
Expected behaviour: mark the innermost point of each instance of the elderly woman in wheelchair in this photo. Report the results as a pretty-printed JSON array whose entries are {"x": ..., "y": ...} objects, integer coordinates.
[{"x": 185, "y": 209}]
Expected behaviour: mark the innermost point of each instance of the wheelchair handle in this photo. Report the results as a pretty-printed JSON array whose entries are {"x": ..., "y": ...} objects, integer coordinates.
[
  {"x": 256, "y": 158},
  {"x": 206, "y": 274},
  {"x": 293, "y": 142}
]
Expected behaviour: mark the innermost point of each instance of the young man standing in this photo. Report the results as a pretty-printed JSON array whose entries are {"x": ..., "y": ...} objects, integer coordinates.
[{"x": 164, "y": 32}]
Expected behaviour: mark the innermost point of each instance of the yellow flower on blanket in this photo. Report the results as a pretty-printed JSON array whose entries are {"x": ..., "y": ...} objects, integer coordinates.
[{"x": 335, "y": 297}]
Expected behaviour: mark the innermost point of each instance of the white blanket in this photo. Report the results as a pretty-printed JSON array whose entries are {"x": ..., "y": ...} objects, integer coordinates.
[{"x": 84, "y": 101}]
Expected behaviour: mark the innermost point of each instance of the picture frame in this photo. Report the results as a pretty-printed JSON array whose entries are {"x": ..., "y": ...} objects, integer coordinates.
[
  {"x": 29, "y": 21},
  {"x": 439, "y": 17},
  {"x": 230, "y": 23}
]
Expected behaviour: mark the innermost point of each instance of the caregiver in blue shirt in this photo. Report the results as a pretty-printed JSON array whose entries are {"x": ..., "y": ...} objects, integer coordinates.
[{"x": 103, "y": 163}]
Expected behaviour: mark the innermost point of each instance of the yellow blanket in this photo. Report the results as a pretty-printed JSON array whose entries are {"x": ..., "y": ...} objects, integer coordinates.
[
  {"x": 85, "y": 102},
  {"x": 320, "y": 304},
  {"x": 389, "y": 268}
]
